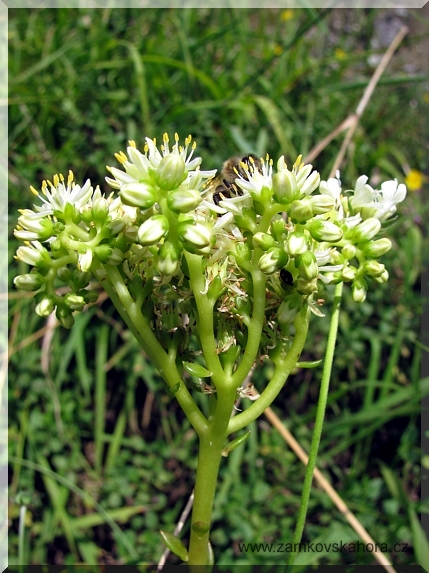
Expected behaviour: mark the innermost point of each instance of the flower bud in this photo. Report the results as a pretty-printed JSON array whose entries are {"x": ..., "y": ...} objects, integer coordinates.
[
  {"x": 242, "y": 253},
  {"x": 348, "y": 251},
  {"x": 138, "y": 195},
  {"x": 171, "y": 172},
  {"x": 263, "y": 241},
  {"x": 64, "y": 316},
  {"x": 307, "y": 266},
  {"x": 36, "y": 255},
  {"x": 324, "y": 231},
  {"x": 359, "y": 289},
  {"x": 89, "y": 295},
  {"x": 74, "y": 301},
  {"x": 29, "y": 282},
  {"x": 100, "y": 210},
  {"x": 288, "y": 309},
  {"x": 152, "y": 230},
  {"x": 168, "y": 260},
  {"x": 383, "y": 278},
  {"x": 284, "y": 187},
  {"x": 305, "y": 287},
  {"x": 366, "y": 230},
  {"x": 64, "y": 274},
  {"x": 296, "y": 244},
  {"x": 374, "y": 268},
  {"x": 81, "y": 279},
  {"x": 116, "y": 226},
  {"x": 321, "y": 204},
  {"x": 348, "y": 274},
  {"x": 278, "y": 227},
  {"x": 311, "y": 183},
  {"x": 377, "y": 248},
  {"x": 45, "y": 307},
  {"x": 300, "y": 211},
  {"x": 85, "y": 260},
  {"x": 196, "y": 235},
  {"x": 130, "y": 234},
  {"x": 273, "y": 260},
  {"x": 109, "y": 255},
  {"x": 183, "y": 201}
]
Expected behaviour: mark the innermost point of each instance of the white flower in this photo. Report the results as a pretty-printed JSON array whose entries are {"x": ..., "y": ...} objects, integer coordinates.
[
  {"x": 60, "y": 193},
  {"x": 387, "y": 198},
  {"x": 332, "y": 187}
]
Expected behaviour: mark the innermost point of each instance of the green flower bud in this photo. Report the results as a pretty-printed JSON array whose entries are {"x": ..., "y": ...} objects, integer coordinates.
[
  {"x": 28, "y": 282},
  {"x": 86, "y": 213},
  {"x": 36, "y": 256},
  {"x": 296, "y": 244},
  {"x": 348, "y": 274},
  {"x": 273, "y": 260},
  {"x": 138, "y": 195},
  {"x": 64, "y": 274},
  {"x": 383, "y": 278},
  {"x": 116, "y": 226},
  {"x": 116, "y": 256},
  {"x": 366, "y": 230},
  {"x": 74, "y": 301},
  {"x": 130, "y": 234},
  {"x": 284, "y": 187},
  {"x": 324, "y": 231},
  {"x": 376, "y": 249},
  {"x": 89, "y": 295},
  {"x": 85, "y": 260},
  {"x": 183, "y": 201},
  {"x": 81, "y": 279},
  {"x": 34, "y": 229},
  {"x": 348, "y": 251},
  {"x": 278, "y": 227},
  {"x": 307, "y": 266},
  {"x": 321, "y": 204},
  {"x": 168, "y": 261},
  {"x": 100, "y": 210},
  {"x": 374, "y": 268},
  {"x": 45, "y": 307},
  {"x": 242, "y": 253},
  {"x": 152, "y": 230},
  {"x": 305, "y": 287},
  {"x": 171, "y": 172},
  {"x": 263, "y": 241},
  {"x": 64, "y": 316},
  {"x": 359, "y": 289},
  {"x": 300, "y": 211},
  {"x": 288, "y": 310},
  {"x": 195, "y": 235}
]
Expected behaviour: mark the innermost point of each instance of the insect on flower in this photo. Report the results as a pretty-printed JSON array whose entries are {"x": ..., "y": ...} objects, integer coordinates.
[{"x": 223, "y": 185}]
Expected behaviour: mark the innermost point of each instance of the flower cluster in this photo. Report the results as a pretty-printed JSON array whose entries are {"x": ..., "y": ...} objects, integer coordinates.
[{"x": 296, "y": 231}]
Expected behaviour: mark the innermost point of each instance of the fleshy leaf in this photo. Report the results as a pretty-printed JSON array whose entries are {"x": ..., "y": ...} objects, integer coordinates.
[
  {"x": 174, "y": 544},
  {"x": 196, "y": 370}
]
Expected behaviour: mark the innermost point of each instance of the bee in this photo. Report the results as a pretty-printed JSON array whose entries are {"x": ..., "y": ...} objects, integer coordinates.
[{"x": 223, "y": 185}]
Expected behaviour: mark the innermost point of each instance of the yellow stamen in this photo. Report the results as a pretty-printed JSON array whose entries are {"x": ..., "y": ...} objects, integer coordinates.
[
  {"x": 121, "y": 157},
  {"x": 176, "y": 137},
  {"x": 165, "y": 138},
  {"x": 33, "y": 190},
  {"x": 56, "y": 180},
  {"x": 132, "y": 143}
]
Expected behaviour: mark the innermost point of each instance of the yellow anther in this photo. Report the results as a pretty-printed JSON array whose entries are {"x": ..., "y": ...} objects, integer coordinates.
[
  {"x": 121, "y": 157},
  {"x": 176, "y": 137},
  {"x": 56, "y": 180},
  {"x": 165, "y": 138},
  {"x": 33, "y": 190},
  {"x": 132, "y": 143},
  {"x": 146, "y": 148},
  {"x": 70, "y": 177},
  {"x": 194, "y": 145}
]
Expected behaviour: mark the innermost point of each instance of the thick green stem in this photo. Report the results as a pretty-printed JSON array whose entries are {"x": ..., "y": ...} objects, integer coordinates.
[
  {"x": 131, "y": 313},
  {"x": 284, "y": 366},
  {"x": 210, "y": 454},
  {"x": 320, "y": 416}
]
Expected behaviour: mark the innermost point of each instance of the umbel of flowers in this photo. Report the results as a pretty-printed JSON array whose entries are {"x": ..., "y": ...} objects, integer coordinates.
[{"x": 207, "y": 288}]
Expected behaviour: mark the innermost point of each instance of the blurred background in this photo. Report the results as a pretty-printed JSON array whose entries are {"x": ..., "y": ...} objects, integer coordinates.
[{"x": 101, "y": 456}]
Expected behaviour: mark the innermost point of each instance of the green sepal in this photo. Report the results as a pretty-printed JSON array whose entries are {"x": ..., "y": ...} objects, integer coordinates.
[
  {"x": 215, "y": 289},
  {"x": 235, "y": 443},
  {"x": 175, "y": 388},
  {"x": 228, "y": 357},
  {"x": 309, "y": 364},
  {"x": 175, "y": 545},
  {"x": 196, "y": 370}
]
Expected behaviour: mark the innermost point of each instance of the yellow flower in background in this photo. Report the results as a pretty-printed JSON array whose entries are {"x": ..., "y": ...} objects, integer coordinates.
[
  {"x": 277, "y": 49},
  {"x": 414, "y": 179},
  {"x": 426, "y": 97},
  {"x": 287, "y": 15},
  {"x": 340, "y": 54}
]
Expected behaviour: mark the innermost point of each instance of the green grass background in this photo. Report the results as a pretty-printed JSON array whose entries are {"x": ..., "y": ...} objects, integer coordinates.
[{"x": 101, "y": 456}]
